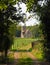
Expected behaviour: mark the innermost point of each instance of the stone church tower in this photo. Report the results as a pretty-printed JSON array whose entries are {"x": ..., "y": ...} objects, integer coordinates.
[{"x": 23, "y": 30}]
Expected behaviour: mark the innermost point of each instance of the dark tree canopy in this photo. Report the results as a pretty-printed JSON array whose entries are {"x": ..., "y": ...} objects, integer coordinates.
[
  {"x": 6, "y": 13},
  {"x": 43, "y": 10},
  {"x": 8, "y": 20}
]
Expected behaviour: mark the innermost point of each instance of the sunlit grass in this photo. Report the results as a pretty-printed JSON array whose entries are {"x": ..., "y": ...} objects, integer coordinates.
[
  {"x": 22, "y": 58},
  {"x": 38, "y": 51},
  {"x": 22, "y": 43}
]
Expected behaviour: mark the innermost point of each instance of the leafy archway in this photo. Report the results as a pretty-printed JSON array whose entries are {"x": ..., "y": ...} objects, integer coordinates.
[{"x": 42, "y": 8}]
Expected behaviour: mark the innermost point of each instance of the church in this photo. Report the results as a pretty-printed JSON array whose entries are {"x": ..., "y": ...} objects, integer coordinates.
[{"x": 25, "y": 33}]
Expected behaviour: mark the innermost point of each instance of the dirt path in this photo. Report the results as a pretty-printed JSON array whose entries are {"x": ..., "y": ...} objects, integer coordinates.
[
  {"x": 16, "y": 55},
  {"x": 34, "y": 59},
  {"x": 31, "y": 56}
]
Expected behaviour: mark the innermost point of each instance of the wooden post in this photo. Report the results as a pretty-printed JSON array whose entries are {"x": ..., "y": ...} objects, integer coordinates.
[{"x": 32, "y": 44}]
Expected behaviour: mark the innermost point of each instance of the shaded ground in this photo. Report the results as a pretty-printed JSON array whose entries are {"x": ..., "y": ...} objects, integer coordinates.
[{"x": 31, "y": 60}]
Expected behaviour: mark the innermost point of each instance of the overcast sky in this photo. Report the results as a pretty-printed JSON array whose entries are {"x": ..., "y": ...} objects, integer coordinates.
[{"x": 30, "y": 22}]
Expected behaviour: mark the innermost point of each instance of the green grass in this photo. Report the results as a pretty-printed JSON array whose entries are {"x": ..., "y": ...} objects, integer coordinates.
[
  {"x": 21, "y": 44},
  {"x": 38, "y": 51},
  {"x": 26, "y": 61}
]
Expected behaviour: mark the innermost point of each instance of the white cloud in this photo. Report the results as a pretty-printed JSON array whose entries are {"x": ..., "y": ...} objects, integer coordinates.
[
  {"x": 21, "y": 24},
  {"x": 31, "y": 21},
  {"x": 24, "y": 8},
  {"x": 28, "y": 14}
]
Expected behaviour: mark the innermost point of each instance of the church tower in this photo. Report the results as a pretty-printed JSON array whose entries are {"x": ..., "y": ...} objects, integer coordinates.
[{"x": 23, "y": 30}]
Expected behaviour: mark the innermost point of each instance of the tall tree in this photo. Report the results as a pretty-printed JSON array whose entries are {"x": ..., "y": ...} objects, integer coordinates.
[
  {"x": 6, "y": 13},
  {"x": 42, "y": 8},
  {"x": 45, "y": 18},
  {"x": 8, "y": 20}
]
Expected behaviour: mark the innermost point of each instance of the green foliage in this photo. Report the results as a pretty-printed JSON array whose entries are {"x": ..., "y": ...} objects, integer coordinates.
[
  {"x": 8, "y": 20},
  {"x": 5, "y": 35},
  {"x": 45, "y": 25},
  {"x": 44, "y": 14},
  {"x": 38, "y": 51},
  {"x": 36, "y": 31},
  {"x": 4, "y": 3},
  {"x": 30, "y": 4},
  {"x": 18, "y": 31},
  {"x": 12, "y": 29},
  {"x": 7, "y": 24}
]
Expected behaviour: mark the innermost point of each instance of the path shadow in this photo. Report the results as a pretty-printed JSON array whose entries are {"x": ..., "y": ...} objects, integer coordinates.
[
  {"x": 22, "y": 50},
  {"x": 31, "y": 62},
  {"x": 26, "y": 61}
]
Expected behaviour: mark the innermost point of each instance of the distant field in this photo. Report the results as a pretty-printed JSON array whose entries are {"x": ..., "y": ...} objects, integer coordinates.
[{"x": 21, "y": 44}]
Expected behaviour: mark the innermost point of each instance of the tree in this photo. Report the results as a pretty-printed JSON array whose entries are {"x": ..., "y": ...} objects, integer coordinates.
[
  {"x": 36, "y": 32},
  {"x": 18, "y": 31},
  {"x": 6, "y": 37},
  {"x": 8, "y": 20},
  {"x": 42, "y": 8},
  {"x": 45, "y": 17}
]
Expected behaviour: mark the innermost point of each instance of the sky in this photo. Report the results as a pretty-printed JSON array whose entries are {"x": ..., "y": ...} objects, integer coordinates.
[{"x": 30, "y": 22}]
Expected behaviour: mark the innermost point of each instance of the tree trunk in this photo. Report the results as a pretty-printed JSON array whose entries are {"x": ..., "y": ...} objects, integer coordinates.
[{"x": 6, "y": 54}]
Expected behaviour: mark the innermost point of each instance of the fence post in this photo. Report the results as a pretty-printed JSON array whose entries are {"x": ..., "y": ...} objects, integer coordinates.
[{"x": 32, "y": 44}]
